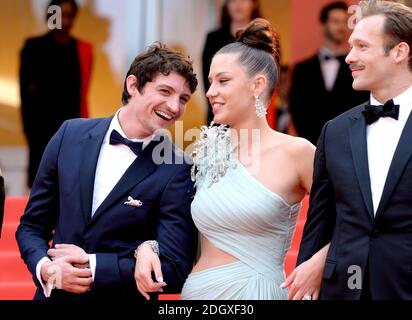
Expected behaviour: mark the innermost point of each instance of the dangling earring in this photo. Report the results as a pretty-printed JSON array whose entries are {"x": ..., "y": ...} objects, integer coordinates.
[{"x": 260, "y": 108}]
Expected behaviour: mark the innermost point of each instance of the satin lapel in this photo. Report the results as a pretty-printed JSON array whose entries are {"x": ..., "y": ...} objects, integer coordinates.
[
  {"x": 400, "y": 159},
  {"x": 90, "y": 150},
  {"x": 141, "y": 168},
  {"x": 360, "y": 159}
]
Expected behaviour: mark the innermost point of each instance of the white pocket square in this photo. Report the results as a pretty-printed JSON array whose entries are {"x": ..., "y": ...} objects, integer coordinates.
[{"x": 132, "y": 202}]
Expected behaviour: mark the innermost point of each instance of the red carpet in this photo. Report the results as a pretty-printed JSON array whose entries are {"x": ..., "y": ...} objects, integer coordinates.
[{"x": 16, "y": 282}]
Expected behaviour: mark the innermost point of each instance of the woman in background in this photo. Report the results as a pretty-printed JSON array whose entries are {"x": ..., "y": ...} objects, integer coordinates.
[{"x": 235, "y": 15}]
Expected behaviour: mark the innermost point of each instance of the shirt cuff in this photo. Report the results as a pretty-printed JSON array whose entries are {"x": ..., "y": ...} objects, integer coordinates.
[
  {"x": 47, "y": 287},
  {"x": 92, "y": 263}
]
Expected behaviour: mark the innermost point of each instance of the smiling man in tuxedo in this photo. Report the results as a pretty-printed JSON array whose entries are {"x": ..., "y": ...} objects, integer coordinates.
[
  {"x": 361, "y": 198},
  {"x": 101, "y": 192}
]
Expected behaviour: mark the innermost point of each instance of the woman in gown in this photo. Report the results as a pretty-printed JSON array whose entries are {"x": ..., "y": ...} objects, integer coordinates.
[{"x": 250, "y": 179}]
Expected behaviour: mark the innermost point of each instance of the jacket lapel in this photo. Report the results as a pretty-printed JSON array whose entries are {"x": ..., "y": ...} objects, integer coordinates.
[
  {"x": 142, "y": 167},
  {"x": 360, "y": 159},
  {"x": 90, "y": 150},
  {"x": 400, "y": 159}
]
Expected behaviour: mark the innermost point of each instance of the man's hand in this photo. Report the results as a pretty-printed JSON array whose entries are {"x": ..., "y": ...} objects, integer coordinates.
[
  {"x": 147, "y": 262},
  {"x": 63, "y": 275},
  {"x": 69, "y": 250}
]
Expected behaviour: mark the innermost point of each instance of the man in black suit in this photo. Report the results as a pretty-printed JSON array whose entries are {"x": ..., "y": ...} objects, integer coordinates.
[
  {"x": 361, "y": 198},
  {"x": 321, "y": 86}
]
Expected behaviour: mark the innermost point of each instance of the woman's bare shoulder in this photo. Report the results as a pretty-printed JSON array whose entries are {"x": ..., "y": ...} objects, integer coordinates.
[{"x": 294, "y": 146}]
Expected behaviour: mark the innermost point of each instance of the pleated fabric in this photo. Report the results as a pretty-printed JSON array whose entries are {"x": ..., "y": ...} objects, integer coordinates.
[{"x": 242, "y": 217}]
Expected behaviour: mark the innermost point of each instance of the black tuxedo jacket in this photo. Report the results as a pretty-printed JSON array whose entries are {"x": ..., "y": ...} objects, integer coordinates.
[
  {"x": 341, "y": 212},
  {"x": 311, "y": 105},
  {"x": 59, "y": 209}
]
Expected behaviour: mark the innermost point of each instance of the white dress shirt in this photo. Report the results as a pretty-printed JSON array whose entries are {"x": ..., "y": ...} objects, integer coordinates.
[
  {"x": 329, "y": 68},
  {"x": 112, "y": 163},
  {"x": 382, "y": 140}
]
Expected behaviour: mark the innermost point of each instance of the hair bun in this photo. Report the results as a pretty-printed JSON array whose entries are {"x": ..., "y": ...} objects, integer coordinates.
[{"x": 260, "y": 34}]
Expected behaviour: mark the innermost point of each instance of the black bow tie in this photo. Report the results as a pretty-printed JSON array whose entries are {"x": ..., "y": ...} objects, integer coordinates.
[
  {"x": 117, "y": 138},
  {"x": 373, "y": 113},
  {"x": 328, "y": 57}
]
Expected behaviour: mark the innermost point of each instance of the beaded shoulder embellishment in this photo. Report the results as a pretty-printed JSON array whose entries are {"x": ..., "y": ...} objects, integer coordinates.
[{"x": 213, "y": 154}]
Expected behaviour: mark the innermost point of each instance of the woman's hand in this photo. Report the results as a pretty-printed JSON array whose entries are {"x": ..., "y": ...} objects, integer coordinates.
[{"x": 305, "y": 281}]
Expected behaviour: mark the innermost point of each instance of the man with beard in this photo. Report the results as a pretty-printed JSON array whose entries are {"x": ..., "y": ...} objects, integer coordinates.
[{"x": 321, "y": 86}]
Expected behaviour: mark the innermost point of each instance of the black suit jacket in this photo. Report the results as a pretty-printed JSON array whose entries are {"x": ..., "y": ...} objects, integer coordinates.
[
  {"x": 311, "y": 105},
  {"x": 49, "y": 86},
  {"x": 341, "y": 212},
  {"x": 60, "y": 204}
]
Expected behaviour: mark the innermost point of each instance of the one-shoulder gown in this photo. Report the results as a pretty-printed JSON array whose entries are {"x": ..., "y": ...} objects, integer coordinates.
[{"x": 242, "y": 217}]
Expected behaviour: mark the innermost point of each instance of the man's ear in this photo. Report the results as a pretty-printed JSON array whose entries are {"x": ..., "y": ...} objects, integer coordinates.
[
  {"x": 259, "y": 85},
  {"x": 131, "y": 85},
  {"x": 402, "y": 51}
]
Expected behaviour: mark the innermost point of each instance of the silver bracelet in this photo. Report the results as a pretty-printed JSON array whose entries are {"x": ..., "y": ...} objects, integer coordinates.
[{"x": 153, "y": 244}]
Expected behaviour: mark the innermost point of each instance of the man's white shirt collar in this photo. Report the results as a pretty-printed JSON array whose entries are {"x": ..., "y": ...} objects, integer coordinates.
[{"x": 382, "y": 139}]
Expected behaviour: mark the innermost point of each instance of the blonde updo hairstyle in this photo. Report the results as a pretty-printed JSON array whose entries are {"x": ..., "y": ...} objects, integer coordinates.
[{"x": 256, "y": 46}]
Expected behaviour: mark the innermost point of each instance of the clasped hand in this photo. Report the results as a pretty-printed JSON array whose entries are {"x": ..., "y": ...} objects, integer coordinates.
[{"x": 68, "y": 269}]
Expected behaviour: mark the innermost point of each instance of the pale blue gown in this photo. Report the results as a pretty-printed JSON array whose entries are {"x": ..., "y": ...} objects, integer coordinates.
[{"x": 245, "y": 219}]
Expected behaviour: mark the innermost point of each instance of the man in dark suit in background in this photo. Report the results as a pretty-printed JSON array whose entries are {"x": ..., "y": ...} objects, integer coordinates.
[
  {"x": 98, "y": 195},
  {"x": 361, "y": 197},
  {"x": 321, "y": 87},
  {"x": 55, "y": 71}
]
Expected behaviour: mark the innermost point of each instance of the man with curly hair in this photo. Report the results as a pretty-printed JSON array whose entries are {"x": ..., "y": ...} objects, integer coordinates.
[{"x": 101, "y": 192}]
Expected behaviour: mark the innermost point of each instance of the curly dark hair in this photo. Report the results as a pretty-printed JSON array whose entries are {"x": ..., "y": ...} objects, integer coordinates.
[{"x": 158, "y": 59}]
